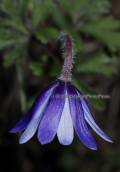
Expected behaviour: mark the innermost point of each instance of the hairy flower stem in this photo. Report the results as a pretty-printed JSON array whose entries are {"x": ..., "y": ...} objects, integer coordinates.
[{"x": 68, "y": 45}]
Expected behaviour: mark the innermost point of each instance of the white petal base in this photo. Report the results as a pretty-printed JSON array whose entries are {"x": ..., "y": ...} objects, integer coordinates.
[{"x": 65, "y": 130}]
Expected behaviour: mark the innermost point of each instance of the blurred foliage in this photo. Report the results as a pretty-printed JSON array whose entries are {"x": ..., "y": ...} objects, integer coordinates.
[
  {"x": 45, "y": 33},
  {"x": 29, "y": 45},
  {"x": 37, "y": 68},
  {"x": 105, "y": 31},
  {"x": 99, "y": 63},
  {"x": 23, "y": 19}
]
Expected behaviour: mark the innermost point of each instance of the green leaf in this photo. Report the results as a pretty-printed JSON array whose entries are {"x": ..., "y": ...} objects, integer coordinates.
[
  {"x": 55, "y": 69},
  {"x": 37, "y": 68},
  {"x": 15, "y": 54},
  {"x": 66, "y": 5},
  {"x": 78, "y": 44},
  {"x": 58, "y": 17},
  {"x": 10, "y": 8},
  {"x": 104, "y": 31},
  {"x": 95, "y": 8},
  {"x": 45, "y": 33},
  {"x": 13, "y": 24},
  {"x": 85, "y": 90},
  {"x": 23, "y": 4},
  {"x": 9, "y": 58},
  {"x": 73, "y": 8},
  {"x": 9, "y": 38},
  {"x": 21, "y": 89},
  {"x": 104, "y": 24},
  {"x": 49, "y": 32},
  {"x": 41, "y": 37},
  {"x": 52, "y": 69},
  {"x": 45, "y": 58},
  {"x": 111, "y": 39},
  {"x": 99, "y": 63},
  {"x": 41, "y": 9},
  {"x": 79, "y": 9}
]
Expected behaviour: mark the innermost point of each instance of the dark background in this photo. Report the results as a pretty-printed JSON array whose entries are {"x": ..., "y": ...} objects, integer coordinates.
[{"x": 24, "y": 74}]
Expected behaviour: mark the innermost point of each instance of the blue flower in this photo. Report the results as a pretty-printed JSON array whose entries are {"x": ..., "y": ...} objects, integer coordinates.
[
  {"x": 58, "y": 110},
  {"x": 52, "y": 113}
]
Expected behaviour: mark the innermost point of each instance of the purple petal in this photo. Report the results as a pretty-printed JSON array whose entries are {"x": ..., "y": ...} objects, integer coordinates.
[
  {"x": 65, "y": 130},
  {"x": 50, "y": 121},
  {"x": 89, "y": 127},
  {"x": 90, "y": 120},
  {"x": 23, "y": 123},
  {"x": 35, "y": 107},
  {"x": 79, "y": 119},
  {"x": 38, "y": 111}
]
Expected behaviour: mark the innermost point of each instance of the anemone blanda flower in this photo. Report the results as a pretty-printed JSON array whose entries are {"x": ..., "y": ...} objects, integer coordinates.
[{"x": 57, "y": 110}]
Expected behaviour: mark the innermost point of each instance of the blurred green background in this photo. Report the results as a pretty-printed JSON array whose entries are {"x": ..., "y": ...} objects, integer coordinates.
[{"x": 31, "y": 59}]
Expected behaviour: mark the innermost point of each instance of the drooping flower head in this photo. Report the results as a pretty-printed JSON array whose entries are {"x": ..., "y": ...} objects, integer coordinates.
[{"x": 59, "y": 109}]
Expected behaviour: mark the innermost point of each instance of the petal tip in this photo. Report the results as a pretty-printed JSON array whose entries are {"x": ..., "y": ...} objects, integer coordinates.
[
  {"x": 21, "y": 141},
  {"x": 109, "y": 140},
  {"x": 12, "y": 131},
  {"x": 43, "y": 142},
  {"x": 93, "y": 148},
  {"x": 65, "y": 143}
]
